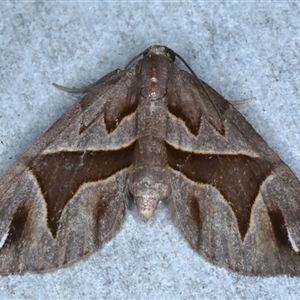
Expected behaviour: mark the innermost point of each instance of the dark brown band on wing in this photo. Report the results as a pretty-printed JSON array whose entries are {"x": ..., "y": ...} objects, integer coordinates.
[
  {"x": 279, "y": 227},
  {"x": 116, "y": 111},
  {"x": 189, "y": 115},
  {"x": 237, "y": 177},
  {"x": 61, "y": 174},
  {"x": 17, "y": 226},
  {"x": 192, "y": 100}
]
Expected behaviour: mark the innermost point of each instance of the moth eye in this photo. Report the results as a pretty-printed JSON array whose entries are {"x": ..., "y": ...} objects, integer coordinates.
[{"x": 170, "y": 53}]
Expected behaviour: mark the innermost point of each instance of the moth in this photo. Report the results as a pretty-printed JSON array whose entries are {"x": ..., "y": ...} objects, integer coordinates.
[{"x": 151, "y": 132}]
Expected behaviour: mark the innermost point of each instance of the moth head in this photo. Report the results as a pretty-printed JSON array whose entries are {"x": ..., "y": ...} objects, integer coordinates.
[
  {"x": 155, "y": 50},
  {"x": 160, "y": 50}
]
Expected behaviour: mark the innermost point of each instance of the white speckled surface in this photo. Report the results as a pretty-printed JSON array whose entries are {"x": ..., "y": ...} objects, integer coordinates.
[{"x": 243, "y": 50}]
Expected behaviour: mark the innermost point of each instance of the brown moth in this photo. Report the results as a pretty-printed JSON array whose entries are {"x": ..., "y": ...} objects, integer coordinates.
[{"x": 154, "y": 132}]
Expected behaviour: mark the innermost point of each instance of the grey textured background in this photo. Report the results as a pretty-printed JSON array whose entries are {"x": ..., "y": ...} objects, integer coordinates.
[{"x": 247, "y": 49}]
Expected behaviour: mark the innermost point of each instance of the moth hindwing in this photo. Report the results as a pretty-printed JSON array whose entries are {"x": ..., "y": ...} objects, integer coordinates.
[{"x": 156, "y": 132}]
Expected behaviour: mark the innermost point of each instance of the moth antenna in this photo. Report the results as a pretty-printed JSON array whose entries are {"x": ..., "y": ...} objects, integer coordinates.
[
  {"x": 91, "y": 86},
  {"x": 244, "y": 101},
  {"x": 238, "y": 102},
  {"x": 85, "y": 88},
  {"x": 136, "y": 57}
]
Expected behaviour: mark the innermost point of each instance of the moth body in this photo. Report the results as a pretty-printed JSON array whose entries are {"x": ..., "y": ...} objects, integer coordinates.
[{"x": 149, "y": 183}]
